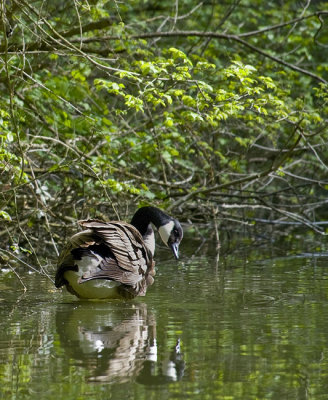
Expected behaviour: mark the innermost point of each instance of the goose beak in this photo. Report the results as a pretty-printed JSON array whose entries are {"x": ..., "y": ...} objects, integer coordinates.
[{"x": 175, "y": 249}]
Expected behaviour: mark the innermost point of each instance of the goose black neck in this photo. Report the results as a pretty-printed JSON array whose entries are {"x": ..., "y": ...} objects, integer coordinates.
[{"x": 146, "y": 215}]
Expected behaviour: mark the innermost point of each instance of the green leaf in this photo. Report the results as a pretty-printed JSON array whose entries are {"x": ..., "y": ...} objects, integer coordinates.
[{"x": 4, "y": 215}]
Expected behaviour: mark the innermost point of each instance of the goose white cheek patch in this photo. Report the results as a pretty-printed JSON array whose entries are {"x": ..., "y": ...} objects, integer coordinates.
[{"x": 165, "y": 231}]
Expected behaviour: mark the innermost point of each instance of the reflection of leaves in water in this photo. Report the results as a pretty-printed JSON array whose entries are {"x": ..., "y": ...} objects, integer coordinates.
[{"x": 116, "y": 341}]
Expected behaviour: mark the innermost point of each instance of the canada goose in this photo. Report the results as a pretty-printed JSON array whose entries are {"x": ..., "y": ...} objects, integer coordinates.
[{"x": 115, "y": 259}]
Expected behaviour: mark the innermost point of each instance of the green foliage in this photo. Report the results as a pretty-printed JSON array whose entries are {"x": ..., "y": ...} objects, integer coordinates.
[{"x": 105, "y": 104}]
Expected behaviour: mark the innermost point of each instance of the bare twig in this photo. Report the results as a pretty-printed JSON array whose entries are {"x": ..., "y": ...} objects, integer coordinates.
[{"x": 252, "y": 177}]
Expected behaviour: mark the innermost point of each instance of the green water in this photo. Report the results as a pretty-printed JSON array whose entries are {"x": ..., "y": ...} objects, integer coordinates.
[{"x": 251, "y": 324}]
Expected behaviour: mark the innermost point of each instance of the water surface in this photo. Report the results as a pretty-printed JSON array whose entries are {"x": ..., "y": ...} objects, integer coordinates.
[{"x": 249, "y": 324}]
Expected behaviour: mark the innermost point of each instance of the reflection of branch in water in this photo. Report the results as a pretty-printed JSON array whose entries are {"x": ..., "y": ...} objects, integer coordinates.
[{"x": 116, "y": 341}]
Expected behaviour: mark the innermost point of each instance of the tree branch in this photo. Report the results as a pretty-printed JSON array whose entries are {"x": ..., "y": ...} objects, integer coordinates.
[
  {"x": 235, "y": 38},
  {"x": 103, "y": 23},
  {"x": 213, "y": 35},
  {"x": 276, "y": 164},
  {"x": 283, "y": 24}
]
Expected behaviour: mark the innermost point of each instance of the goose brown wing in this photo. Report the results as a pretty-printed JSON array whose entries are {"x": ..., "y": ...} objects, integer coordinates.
[
  {"x": 66, "y": 260},
  {"x": 125, "y": 258},
  {"x": 125, "y": 242}
]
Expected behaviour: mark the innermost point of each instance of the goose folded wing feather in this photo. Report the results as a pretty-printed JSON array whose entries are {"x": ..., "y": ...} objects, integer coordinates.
[
  {"x": 124, "y": 241},
  {"x": 109, "y": 269}
]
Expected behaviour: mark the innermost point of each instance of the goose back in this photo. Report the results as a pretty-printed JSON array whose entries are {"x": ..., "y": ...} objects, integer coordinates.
[{"x": 115, "y": 252}]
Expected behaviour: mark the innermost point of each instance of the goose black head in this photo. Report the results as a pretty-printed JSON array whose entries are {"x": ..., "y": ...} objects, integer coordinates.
[
  {"x": 169, "y": 228},
  {"x": 171, "y": 233}
]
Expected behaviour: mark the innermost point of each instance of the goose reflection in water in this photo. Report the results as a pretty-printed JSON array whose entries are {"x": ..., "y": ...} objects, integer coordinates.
[{"x": 117, "y": 342}]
